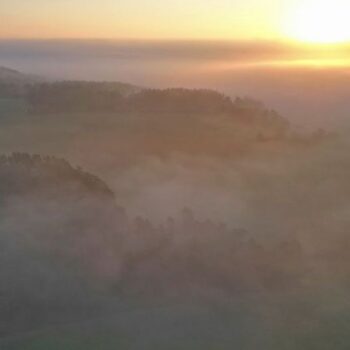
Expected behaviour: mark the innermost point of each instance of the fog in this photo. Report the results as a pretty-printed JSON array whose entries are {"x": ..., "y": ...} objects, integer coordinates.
[{"x": 138, "y": 216}]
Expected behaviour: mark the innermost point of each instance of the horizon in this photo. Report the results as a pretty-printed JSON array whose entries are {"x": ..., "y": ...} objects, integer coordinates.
[{"x": 210, "y": 54}]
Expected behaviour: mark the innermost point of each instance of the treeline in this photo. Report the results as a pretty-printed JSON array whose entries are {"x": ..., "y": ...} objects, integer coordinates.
[
  {"x": 21, "y": 173},
  {"x": 102, "y": 97},
  {"x": 187, "y": 254},
  {"x": 175, "y": 110},
  {"x": 61, "y": 97},
  {"x": 108, "y": 97}
]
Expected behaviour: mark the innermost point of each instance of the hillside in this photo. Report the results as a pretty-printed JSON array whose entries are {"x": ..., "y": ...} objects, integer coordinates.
[
  {"x": 14, "y": 83},
  {"x": 69, "y": 255},
  {"x": 12, "y": 76},
  {"x": 77, "y": 273},
  {"x": 21, "y": 174},
  {"x": 57, "y": 224}
]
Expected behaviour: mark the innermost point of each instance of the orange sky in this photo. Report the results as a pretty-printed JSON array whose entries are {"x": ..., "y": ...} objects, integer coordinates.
[
  {"x": 321, "y": 21},
  {"x": 143, "y": 19}
]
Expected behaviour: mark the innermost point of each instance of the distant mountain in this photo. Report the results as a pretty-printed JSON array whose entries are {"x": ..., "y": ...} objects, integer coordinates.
[
  {"x": 14, "y": 83},
  {"x": 12, "y": 76}
]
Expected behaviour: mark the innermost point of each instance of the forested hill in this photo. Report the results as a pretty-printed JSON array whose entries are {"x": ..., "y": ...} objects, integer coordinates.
[
  {"x": 58, "y": 236},
  {"x": 21, "y": 174},
  {"x": 12, "y": 76},
  {"x": 180, "y": 108},
  {"x": 64, "y": 240},
  {"x": 89, "y": 97},
  {"x": 69, "y": 256},
  {"x": 15, "y": 84},
  {"x": 61, "y": 97},
  {"x": 126, "y": 119}
]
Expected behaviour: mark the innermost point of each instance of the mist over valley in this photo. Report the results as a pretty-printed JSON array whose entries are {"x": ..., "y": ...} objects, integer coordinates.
[{"x": 145, "y": 192}]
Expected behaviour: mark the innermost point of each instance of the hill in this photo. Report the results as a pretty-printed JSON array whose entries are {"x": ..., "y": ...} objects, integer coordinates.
[
  {"x": 14, "y": 83},
  {"x": 57, "y": 227},
  {"x": 12, "y": 76}
]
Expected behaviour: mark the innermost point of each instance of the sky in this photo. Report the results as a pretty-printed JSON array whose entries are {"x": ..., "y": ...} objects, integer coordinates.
[{"x": 154, "y": 19}]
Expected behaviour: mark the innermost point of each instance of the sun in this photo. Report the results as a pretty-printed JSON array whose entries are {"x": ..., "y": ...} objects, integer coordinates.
[{"x": 320, "y": 21}]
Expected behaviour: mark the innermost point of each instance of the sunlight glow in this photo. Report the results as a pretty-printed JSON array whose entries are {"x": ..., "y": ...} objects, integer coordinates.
[{"x": 320, "y": 21}]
